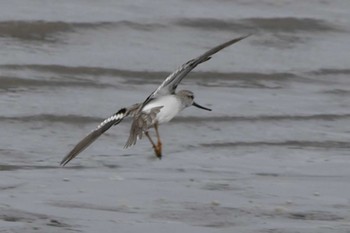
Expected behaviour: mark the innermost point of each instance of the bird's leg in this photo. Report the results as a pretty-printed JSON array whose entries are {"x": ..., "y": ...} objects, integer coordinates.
[
  {"x": 157, "y": 151},
  {"x": 150, "y": 139},
  {"x": 159, "y": 143}
]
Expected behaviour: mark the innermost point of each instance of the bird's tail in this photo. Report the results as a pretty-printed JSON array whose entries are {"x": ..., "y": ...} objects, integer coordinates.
[{"x": 141, "y": 123}]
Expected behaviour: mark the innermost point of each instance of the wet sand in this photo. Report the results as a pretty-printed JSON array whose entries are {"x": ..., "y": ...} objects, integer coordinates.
[{"x": 272, "y": 156}]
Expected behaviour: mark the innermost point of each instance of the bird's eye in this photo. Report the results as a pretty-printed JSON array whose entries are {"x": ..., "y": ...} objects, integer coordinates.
[{"x": 191, "y": 96}]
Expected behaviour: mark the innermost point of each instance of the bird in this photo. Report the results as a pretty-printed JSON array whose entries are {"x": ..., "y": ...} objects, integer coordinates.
[{"x": 161, "y": 106}]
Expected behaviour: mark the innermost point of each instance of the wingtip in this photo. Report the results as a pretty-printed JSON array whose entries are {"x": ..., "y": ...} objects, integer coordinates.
[
  {"x": 64, "y": 162},
  {"x": 248, "y": 35},
  {"x": 67, "y": 159},
  {"x": 243, "y": 37}
]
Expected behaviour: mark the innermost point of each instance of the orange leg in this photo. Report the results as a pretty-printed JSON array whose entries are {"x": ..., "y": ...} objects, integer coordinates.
[
  {"x": 157, "y": 151},
  {"x": 159, "y": 143},
  {"x": 150, "y": 139}
]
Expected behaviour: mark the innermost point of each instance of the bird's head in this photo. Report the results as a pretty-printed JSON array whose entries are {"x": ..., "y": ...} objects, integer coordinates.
[{"x": 187, "y": 98}]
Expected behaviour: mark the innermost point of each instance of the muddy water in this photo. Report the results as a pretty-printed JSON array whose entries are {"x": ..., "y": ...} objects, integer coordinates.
[{"x": 273, "y": 156}]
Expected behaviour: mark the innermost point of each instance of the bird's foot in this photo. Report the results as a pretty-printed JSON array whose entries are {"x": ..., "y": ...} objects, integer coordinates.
[{"x": 158, "y": 150}]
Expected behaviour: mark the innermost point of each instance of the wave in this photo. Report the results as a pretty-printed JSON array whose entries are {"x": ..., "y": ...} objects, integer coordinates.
[
  {"x": 88, "y": 70},
  {"x": 275, "y": 24},
  {"x": 83, "y": 70},
  {"x": 264, "y": 118},
  {"x": 339, "y": 92},
  {"x": 49, "y": 31},
  {"x": 45, "y": 30},
  {"x": 7, "y": 83},
  {"x": 329, "y": 71},
  {"x": 85, "y": 76},
  {"x": 89, "y": 206},
  {"x": 9, "y": 167},
  {"x": 289, "y": 143},
  {"x": 78, "y": 119},
  {"x": 69, "y": 119}
]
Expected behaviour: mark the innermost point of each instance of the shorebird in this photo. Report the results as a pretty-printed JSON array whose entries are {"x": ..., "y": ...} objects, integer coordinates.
[{"x": 160, "y": 106}]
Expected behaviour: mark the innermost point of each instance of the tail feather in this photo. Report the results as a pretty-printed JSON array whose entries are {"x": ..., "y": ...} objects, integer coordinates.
[{"x": 141, "y": 123}]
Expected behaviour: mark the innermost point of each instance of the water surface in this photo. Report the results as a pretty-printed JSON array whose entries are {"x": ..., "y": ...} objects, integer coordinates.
[{"x": 272, "y": 156}]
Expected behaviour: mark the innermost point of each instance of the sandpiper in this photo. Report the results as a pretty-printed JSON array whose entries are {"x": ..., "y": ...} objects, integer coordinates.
[{"x": 161, "y": 106}]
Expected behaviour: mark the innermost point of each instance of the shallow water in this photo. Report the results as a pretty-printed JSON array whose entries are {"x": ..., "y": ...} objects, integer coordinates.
[{"x": 272, "y": 156}]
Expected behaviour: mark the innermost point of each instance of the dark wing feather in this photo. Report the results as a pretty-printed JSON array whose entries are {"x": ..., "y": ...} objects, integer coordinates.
[
  {"x": 170, "y": 84},
  {"x": 85, "y": 142},
  {"x": 103, "y": 127}
]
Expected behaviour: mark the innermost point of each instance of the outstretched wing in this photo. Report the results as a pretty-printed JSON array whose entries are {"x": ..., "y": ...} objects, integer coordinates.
[
  {"x": 170, "y": 84},
  {"x": 101, "y": 128}
]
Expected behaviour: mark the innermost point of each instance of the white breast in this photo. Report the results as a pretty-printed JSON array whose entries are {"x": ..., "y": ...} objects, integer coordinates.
[{"x": 171, "y": 107}]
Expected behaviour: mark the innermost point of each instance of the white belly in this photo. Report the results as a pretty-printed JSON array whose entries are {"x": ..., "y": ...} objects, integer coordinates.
[{"x": 171, "y": 107}]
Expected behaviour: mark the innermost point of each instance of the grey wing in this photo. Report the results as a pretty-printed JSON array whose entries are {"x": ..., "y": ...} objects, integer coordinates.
[
  {"x": 101, "y": 128},
  {"x": 170, "y": 84}
]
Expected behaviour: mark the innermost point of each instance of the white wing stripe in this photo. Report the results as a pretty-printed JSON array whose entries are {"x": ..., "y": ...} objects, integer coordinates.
[{"x": 111, "y": 118}]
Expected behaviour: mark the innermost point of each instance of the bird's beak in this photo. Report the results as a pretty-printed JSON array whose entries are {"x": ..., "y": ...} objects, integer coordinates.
[{"x": 199, "y": 106}]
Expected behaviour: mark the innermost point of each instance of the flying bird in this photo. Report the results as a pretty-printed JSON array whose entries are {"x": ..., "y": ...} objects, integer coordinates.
[{"x": 160, "y": 106}]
